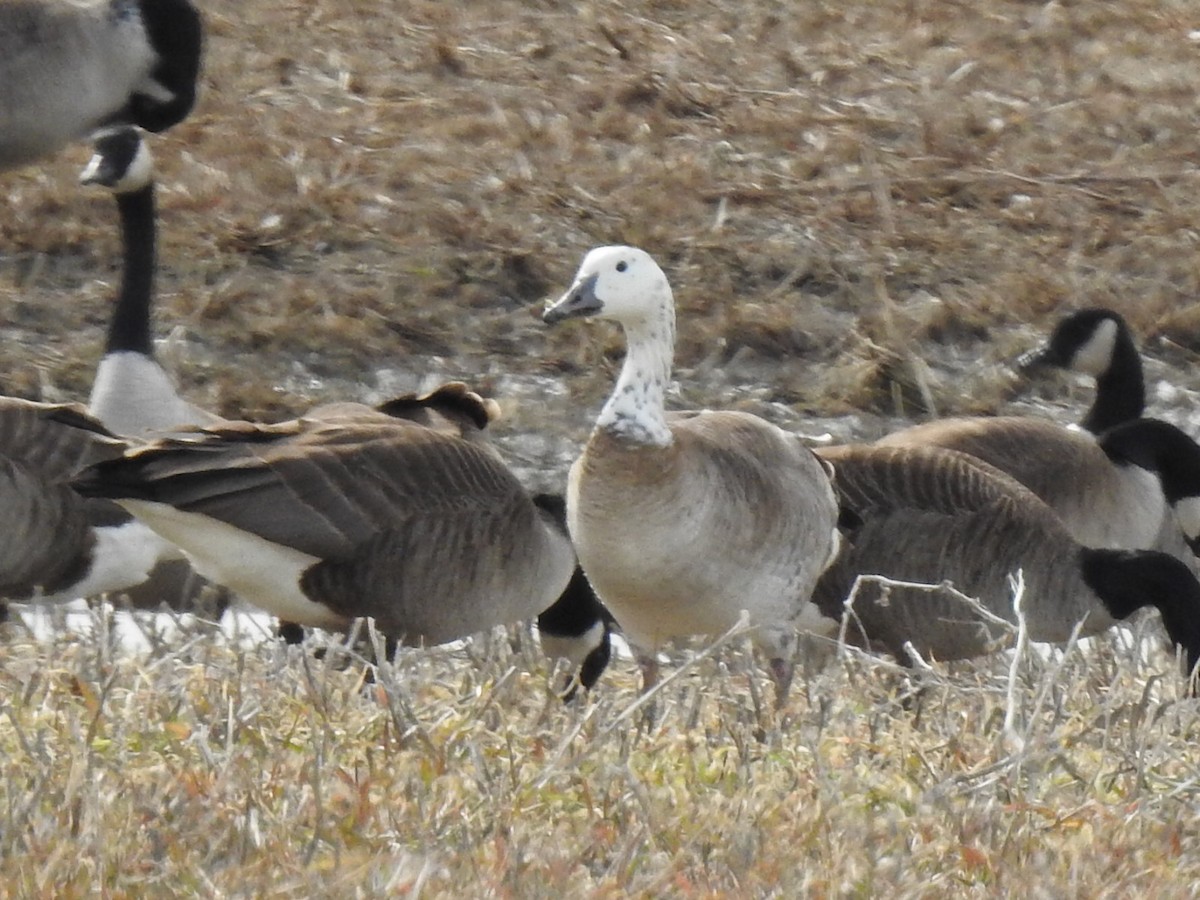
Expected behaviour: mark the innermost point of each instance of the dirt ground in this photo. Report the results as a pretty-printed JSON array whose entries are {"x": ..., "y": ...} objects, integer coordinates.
[{"x": 862, "y": 206}]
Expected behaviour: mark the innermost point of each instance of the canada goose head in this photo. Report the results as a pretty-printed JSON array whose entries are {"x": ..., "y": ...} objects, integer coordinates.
[
  {"x": 175, "y": 34},
  {"x": 620, "y": 283},
  {"x": 121, "y": 161},
  {"x": 1127, "y": 580},
  {"x": 1172, "y": 456},
  {"x": 1096, "y": 342}
]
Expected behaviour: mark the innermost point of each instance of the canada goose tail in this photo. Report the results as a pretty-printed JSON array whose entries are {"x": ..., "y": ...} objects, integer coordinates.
[{"x": 1127, "y": 580}]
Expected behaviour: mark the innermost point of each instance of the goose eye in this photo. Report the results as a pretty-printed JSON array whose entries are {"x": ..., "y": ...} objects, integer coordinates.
[{"x": 622, "y": 266}]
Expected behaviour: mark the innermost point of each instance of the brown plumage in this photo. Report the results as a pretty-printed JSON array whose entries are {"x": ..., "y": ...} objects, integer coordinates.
[
  {"x": 352, "y": 512},
  {"x": 1104, "y": 500},
  {"x": 683, "y": 521},
  {"x": 50, "y": 545},
  {"x": 931, "y": 515}
]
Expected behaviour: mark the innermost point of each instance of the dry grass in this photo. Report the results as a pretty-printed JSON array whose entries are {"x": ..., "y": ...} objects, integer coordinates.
[
  {"x": 864, "y": 208},
  {"x": 198, "y": 769}
]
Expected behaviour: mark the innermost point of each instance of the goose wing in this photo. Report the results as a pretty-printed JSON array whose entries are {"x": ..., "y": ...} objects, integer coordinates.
[{"x": 322, "y": 487}]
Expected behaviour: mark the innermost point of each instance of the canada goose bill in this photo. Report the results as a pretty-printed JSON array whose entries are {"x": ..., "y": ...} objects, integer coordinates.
[
  {"x": 69, "y": 67},
  {"x": 1133, "y": 487},
  {"x": 132, "y": 394},
  {"x": 930, "y": 515},
  {"x": 1097, "y": 342},
  {"x": 321, "y": 521},
  {"x": 55, "y": 545},
  {"x": 682, "y": 521}
]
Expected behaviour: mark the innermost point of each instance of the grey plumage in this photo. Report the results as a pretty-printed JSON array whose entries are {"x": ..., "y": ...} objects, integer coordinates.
[
  {"x": 69, "y": 68},
  {"x": 1103, "y": 502}
]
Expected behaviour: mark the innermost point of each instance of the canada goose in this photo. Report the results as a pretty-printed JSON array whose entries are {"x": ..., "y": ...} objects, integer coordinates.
[
  {"x": 55, "y": 545},
  {"x": 683, "y": 520},
  {"x": 576, "y": 627},
  {"x": 1097, "y": 342},
  {"x": 132, "y": 394},
  {"x": 68, "y": 68},
  {"x": 926, "y": 514},
  {"x": 1133, "y": 487},
  {"x": 323, "y": 520}
]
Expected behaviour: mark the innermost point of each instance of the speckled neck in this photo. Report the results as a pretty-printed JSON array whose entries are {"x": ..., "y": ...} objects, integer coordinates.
[{"x": 635, "y": 412}]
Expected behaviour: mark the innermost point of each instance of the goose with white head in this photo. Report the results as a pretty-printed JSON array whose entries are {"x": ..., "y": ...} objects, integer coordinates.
[
  {"x": 70, "y": 67},
  {"x": 682, "y": 521}
]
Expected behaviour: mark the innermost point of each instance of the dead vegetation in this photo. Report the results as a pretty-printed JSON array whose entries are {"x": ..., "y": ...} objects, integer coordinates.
[{"x": 864, "y": 207}]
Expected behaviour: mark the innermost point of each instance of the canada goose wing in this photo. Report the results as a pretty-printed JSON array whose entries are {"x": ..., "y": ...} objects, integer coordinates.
[
  {"x": 323, "y": 488},
  {"x": 931, "y": 515},
  {"x": 53, "y": 439},
  {"x": 1047, "y": 458},
  {"x": 883, "y": 479},
  {"x": 447, "y": 571}
]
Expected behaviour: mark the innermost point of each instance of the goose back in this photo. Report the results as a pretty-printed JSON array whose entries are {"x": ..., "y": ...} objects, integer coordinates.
[
  {"x": 428, "y": 533},
  {"x": 930, "y": 515},
  {"x": 1102, "y": 502}
]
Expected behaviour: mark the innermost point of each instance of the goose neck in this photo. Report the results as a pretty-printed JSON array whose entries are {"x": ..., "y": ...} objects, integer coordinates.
[
  {"x": 1120, "y": 389},
  {"x": 636, "y": 410},
  {"x": 129, "y": 328}
]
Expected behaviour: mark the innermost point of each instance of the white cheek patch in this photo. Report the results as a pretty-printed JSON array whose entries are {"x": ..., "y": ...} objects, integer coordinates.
[
  {"x": 1187, "y": 511},
  {"x": 1095, "y": 356}
]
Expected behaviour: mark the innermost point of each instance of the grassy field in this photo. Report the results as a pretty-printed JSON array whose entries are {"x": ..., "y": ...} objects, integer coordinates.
[{"x": 865, "y": 209}]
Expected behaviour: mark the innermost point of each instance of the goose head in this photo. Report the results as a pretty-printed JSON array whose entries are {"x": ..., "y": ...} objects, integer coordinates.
[
  {"x": 623, "y": 284},
  {"x": 1085, "y": 342},
  {"x": 120, "y": 162}
]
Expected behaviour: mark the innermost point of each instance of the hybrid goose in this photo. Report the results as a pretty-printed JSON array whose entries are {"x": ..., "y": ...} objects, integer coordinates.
[
  {"x": 69, "y": 67},
  {"x": 1097, "y": 342},
  {"x": 931, "y": 515},
  {"x": 683, "y": 520},
  {"x": 321, "y": 520},
  {"x": 1135, "y": 487}
]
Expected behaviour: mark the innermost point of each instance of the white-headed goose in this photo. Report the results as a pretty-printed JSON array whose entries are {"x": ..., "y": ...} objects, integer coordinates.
[
  {"x": 1133, "y": 487},
  {"x": 132, "y": 394},
  {"x": 55, "y": 545},
  {"x": 323, "y": 520},
  {"x": 925, "y": 514},
  {"x": 69, "y": 67},
  {"x": 682, "y": 521},
  {"x": 1097, "y": 342}
]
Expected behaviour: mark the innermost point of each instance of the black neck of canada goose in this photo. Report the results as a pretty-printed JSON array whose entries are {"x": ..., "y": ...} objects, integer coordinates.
[
  {"x": 129, "y": 328},
  {"x": 1172, "y": 455},
  {"x": 1128, "y": 580},
  {"x": 1120, "y": 389}
]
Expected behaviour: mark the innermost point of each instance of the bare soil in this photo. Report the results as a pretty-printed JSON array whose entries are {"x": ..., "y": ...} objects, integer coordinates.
[{"x": 864, "y": 208}]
